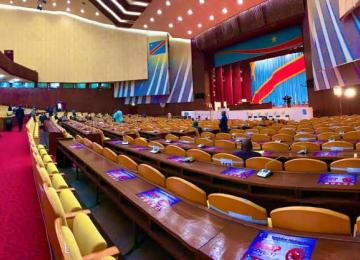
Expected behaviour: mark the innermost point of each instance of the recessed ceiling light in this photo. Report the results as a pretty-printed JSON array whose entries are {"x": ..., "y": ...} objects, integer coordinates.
[
  {"x": 189, "y": 32},
  {"x": 145, "y": 26},
  {"x": 82, "y": 11},
  {"x": 199, "y": 25},
  {"x": 159, "y": 12},
  {"x": 152, "y": 19},
  {"x": 11, "y": 2},
  {"x": 97, "y": 13},
  {"x": 224, "y": 10},
  {"x": 168, "y": 3},
  {"x": 179, "y": 18},
  {"x": 171, "y": 25},
  {"x": 68, "y": 9},
  {"x": 201, "y": 2},
  {"x": 54, "y": 4},
  {"x": 2, "y": 76},
  {"x": 24, "y": 1},
  {"x": 190, "y": 12},
  {"x": 211, "y": 18},
  {"x": 240, "y": 2},
  {"x": 68, "y": 1}
]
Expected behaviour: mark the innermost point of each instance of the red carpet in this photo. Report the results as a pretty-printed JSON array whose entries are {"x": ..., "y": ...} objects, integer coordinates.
[{"x": 22, "y": 232}]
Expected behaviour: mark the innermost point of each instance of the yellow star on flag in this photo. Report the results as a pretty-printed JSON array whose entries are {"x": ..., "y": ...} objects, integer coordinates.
[{"x": 274, "y": 39}]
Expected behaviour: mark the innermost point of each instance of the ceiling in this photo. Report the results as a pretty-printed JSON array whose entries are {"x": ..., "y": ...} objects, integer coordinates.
[{"x": 181, "y": 18}]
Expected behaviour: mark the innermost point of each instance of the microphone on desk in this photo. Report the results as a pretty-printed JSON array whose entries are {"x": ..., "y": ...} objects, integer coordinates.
[
  {"x": 264, "y": 173},
  {"x": 303, "y": 151}
]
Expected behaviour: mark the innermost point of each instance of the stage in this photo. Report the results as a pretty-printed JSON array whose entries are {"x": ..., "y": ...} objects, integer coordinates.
[{"x": 292, "y": 113}]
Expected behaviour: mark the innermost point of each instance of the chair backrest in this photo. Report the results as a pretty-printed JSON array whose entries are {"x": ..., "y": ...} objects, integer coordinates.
[
  {"x": 47, "y": 159},
  {"x": 140, "y": 141},
  {"x": 186, "y": 190},
  {"x": 277, "y": 147},
  {"x": 204, "y": 141},
  {"x": 110, "y": 154},
  {"x": 51, "y": 168},
  {"x": 79, "y": 139},
  {"x": 199, "y": 155},
  {"x": 305, "y": 165},
  {"x": 237, "y": 131},
  {"x": 226, "y": 158},
  {"x": 320, "y": 130},
  {"x": 208, "y": 135},
  {"x": 174, "y": 150},
  {"x": 86, "y": 235},
  {"x": 226, "y": 144},
  {"x": 252, "y": 131},
  {"x": 351, "y": 136},
  {"x": 287, "y": 131},
  {"x": 259, "y": 163},
  {"x": 171, "y": 137},
  {"x": 282, "y": 138},
  {"x": 223, "y": 136},
  {"x": 260, "y": 138},
  {"x": 348, "y": 165},
  {"x": 344, "y": 129},
  {"x": 325, "y": 136},
  {"x": 309, "y": 146},
  {"x": 187, "y": 139},
  {"x": 97, "y": 148},
  {"x": 87, "y": 142},
  {"x": 58, "y": 182},
  {"x": 57, "y": 208},
  {"x": 128, "y": 138},
  {"x": 151, "y": 174},
  {"x": 44, "y": 176},
  {"x": 304, "y": 137},
  {"x": 357, "y": 227},
  {"x": 303, "y": 130},
  {"x": 69, "y": 201},
  {"x": 338, "y": 145},
  {"x": 238, "y": 208},
  {"x": 66, "y": 243},
  {"x": 127, "y": 162},
  {"x": 310, "y": 219},
  {"x": 156, "y": 144},
  {"x": 268, "y": 131}
]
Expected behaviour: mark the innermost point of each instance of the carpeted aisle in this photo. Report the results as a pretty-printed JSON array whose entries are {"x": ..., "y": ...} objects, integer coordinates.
[{"x": 22, "y": 232}]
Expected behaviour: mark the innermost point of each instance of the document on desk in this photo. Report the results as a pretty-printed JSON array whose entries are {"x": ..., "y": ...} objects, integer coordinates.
[{"x": 158, "y": 199}]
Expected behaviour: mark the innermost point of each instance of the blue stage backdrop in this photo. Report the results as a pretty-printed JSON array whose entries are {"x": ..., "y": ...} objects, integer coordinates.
[{"x": 274, "y": 78}]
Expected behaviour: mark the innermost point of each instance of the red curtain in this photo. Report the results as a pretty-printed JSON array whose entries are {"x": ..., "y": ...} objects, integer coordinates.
[{"x": 231, "y": 83}]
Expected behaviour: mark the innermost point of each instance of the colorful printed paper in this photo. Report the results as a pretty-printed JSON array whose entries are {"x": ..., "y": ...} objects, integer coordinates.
[
  {"x": 77, "y": 146},
  {"x": 115, "y": 142},
  {"x": 120, "y": 174},
  {"x": 325, "y": 153},
  {"x": 338, "y": 179},
  {"x": 241, "y": 173},
  {"x": 158, "y": 199},
  {"x": 140, "y": 148},
  {"x": 269, "y": 245},
  {"x": 209, "y": 148},
  {"x": 176, "y": 158}
]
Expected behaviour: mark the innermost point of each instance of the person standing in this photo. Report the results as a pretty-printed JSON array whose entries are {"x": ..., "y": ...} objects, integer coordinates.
[
  {"x": 223, "y": 123},
  {"x": 20, "y": 114},
  {"x": 118, "y": 116}
]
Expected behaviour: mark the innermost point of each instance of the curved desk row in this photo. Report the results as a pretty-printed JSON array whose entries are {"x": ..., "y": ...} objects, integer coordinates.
[
  {"x": 186, "y": 230},
  {"x": 280, "y": 189},
  {"x": 74, "y": 129}
]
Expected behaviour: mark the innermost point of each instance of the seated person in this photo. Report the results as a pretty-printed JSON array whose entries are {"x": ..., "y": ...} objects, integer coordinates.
[
  {"x": 246, "y": 151},
  {"x": 195, "y": 124}
]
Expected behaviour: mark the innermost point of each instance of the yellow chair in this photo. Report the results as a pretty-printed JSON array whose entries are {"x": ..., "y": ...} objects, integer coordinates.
[
  {"x": 140, "y": 141},
  {"x": 321, "y": 130},
  {"x": 305, "y": 130},
  {"x": 348, "y": 165},
  {"x": 187, "y": 139},
  {"x": 357, "y": 228},
  {"x": 238, "y": 208},
  {"x": 276, "y": 147},
  {"x": 310, "y": 219},
  {"x": 87, "y": 142},
  {"x": 344, "y": 129},
  {"x": 251, "y": 131},
  {"x": 338, "y": 145},
  {"x": 311, "y": 147},
  {"x": 287, "y": 132},
  {"x": 174, "y": 150},
  {"x": 156, "y": 144},
  {"x": 172, "y": 137},
  {"x": 268, "y": 131},
  {"x": 304, "y": 137},
  {"x": 83, "y": 241},
  {"x": 226, "y": 144},
  {"x": 223, "y": 136},
  {"x": 351, "y": 136},
  {"x": 325, "y": 136},
  {"x": 282, "y": 138},
  {"x": 127, "y": 162},
  {"x": 44, "y": 176},
  {"x": 236, "y": 131},
  {"x": 69, "y": 201},
  {"x": 151, "y": 174},
  {"x": 306, "y": 165},
  {"x": 226, "y": 158},
  {"x": 358, "y": 147},
  {"x": 109, "y": 154},
  {"x": 128, "y": 138},
  {"x": 208, "y": 135},
  {"x": 47, "y": 159},
  {"x": 51, "y": 168},
  {"x": 199, "y": 155},
  {"x": 79, "y": 139},
  {"x": 186, "y": 190},
  {"x": 58, "y": 182},
  {"x": 260, "y": 138},
  {"x": 204, "y": 141},
  {"x": 259, "y": 163},
  {"x": 97, "y": 148}
]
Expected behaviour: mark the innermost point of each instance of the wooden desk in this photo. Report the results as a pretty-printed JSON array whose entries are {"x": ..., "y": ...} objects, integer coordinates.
[
  {"x": 75, "y": 128},
  {"x": 280, "y": 189},
  {"x": 151, "y": 135},
  {"x": 331, "y": 156},
  {"x": 3, "y": 120},
  {"x": 54, "y": 133},
  {"x": 186, "y": 230}
]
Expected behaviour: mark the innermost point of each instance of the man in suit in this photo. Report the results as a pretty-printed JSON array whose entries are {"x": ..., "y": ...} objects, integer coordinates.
[{"x": 20, "y": 114}]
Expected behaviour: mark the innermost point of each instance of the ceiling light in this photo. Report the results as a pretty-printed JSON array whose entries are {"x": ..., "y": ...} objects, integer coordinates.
[
  {"x": 171, "y": 25},
  {"x": 68, "y": 1},
  {"x": 24, "y": 1},
  {"x": 54, "y": 4},
  {"x": 201, "y": 2},
  {"x": 190, "y": 12},
  {"x": 152, "y": 19},
  {"x": 338, "y": 91},
  {"x": 179, "y": 18},
  {"x": 211, "y": 18},
  {"x": 199, "y": 25},
  {"x": 350, "y": 92},
  {"x": 11, "y": 2},
  {"x": 168, "y": 3},
  {"x": 224, "y": 10},
  {"x": 97, "y": 13},
  {"x": 159, "y": 12},
  {"x": 68, "y": 9},
  {"x": 145, "y": 26},
  {"x": 240, "y": 2},
  {"x": 2, "y": 76},
  {"x": 189, "y": 32},
  {"x": 82, "y": 11}
]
